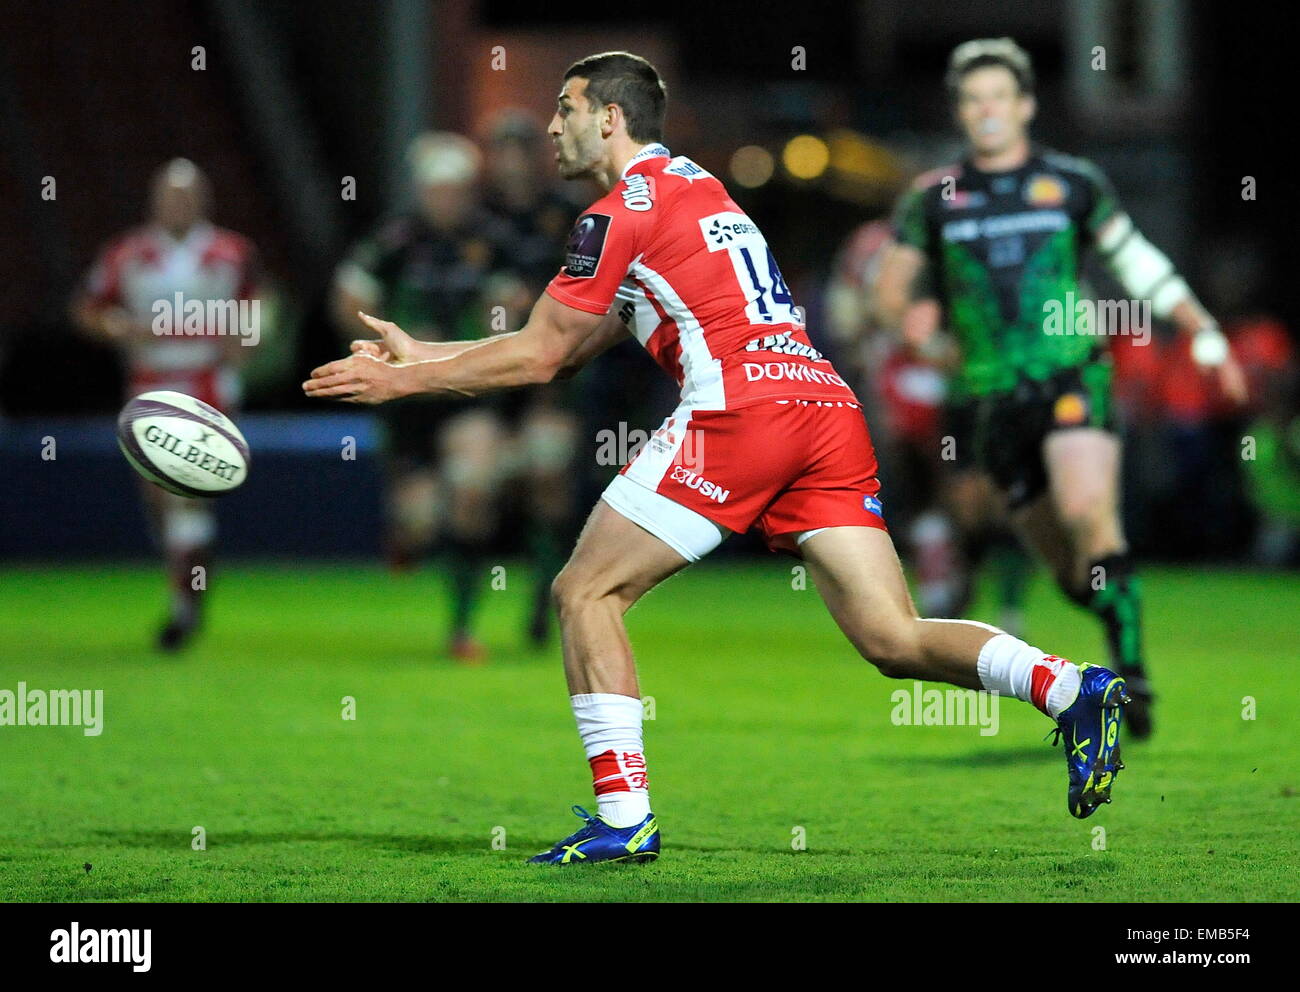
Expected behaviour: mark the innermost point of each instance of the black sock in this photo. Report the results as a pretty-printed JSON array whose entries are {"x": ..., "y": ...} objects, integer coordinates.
[
  {"x": 547, "y": 553},
  {"x": 464, "y": 571},
  {"x": 1117, "y": 602},
  {"x": 974, "y": 549},
  {"x": 1014, "y": 568}
]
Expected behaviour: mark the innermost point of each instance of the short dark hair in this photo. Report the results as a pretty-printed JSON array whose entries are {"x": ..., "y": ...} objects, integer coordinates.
[
  {"x": 632, "y": 83},
  {"x": 972, "y": 55}
]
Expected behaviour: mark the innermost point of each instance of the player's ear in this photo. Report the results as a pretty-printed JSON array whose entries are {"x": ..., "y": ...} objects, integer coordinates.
[
  {"x": 610, "y": 119},
  {"x": 1031, "y": 107}
]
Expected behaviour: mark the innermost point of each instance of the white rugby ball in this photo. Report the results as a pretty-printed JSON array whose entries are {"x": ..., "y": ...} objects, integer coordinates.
[{"x": 182, "y": 444}]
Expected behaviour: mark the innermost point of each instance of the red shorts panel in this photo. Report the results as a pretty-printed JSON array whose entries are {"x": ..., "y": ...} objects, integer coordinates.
[{"x": 781, "y": 467}]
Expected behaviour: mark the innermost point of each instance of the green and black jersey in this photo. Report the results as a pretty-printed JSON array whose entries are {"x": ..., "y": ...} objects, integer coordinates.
[
  {"x": 1002, "y": 246},
  {"x": 432, "y": 284}
]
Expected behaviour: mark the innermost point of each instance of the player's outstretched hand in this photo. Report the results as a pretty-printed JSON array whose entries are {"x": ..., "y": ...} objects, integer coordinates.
[
  {"x": 394, "y": 344},
  {"x": 362, "y": 378}
]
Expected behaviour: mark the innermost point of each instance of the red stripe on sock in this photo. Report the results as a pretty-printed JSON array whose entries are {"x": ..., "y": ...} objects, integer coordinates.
[
  {"x": 1043, "y": 677},
  {"x": 622, "y": 771}
]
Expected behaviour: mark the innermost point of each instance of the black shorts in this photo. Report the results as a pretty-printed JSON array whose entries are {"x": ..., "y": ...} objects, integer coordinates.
[
  {"x": 412, "y": 426},
  {"x": 1003, "y": 433},
  {"x": 411, "y": 429}
]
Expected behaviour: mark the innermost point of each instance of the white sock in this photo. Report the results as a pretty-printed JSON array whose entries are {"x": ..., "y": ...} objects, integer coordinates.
[
  {"x": 610, "y": 727},
  {"x": 1010, "y": 666}
]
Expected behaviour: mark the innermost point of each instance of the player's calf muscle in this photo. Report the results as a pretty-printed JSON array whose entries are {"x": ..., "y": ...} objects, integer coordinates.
[
  {"x": 896, "y": 653},
  {"x": 892, "y": 645},
  {"x": 936, "y": 650},
  {"x": 1094, "y": 532},
  {"x": 856, "y": 570},
  {"x": 864, "y": 591}
]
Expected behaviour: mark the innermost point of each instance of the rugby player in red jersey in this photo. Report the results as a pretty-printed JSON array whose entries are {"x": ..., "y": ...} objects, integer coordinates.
[
  {"x": 766, "y": 436},
  {"x": 179, "y": 253}
]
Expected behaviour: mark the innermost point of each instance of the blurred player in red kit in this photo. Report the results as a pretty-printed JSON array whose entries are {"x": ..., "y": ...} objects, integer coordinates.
[
  {"x": 767, "y": 436},
  {"x": 136, "y": 279}
]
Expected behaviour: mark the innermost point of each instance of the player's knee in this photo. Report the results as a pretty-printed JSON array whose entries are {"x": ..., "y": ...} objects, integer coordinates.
[
  {"x": 573, "y": 588},
  {"x": 1083, "y": 514},
  {"x": 577, "y": 588}
]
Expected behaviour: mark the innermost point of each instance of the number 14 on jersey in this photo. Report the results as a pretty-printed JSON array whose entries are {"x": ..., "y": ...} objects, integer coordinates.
[{"x": 768, "y": 299}]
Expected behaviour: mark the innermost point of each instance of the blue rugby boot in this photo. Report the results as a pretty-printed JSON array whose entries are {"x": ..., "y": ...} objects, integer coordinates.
[
  {"x": 598, "y": 841},
  {"x": 1090, "y": 727}
]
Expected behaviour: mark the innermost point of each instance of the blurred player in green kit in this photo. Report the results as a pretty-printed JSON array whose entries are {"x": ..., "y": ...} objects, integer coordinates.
[
  {"x": 441, "y": 267},
  {"x": 520, "y": 193},
  {"x": 1005, "y": 233}
]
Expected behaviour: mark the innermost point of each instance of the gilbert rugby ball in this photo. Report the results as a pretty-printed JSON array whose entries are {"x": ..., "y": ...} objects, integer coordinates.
[{"x": 182, "y": 444}]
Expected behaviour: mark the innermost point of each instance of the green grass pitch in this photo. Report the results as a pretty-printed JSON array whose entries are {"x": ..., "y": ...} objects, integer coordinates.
[{"x": 767, "y": 729}]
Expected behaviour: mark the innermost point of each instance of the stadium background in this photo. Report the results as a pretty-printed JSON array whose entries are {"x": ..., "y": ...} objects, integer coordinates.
[{"x": 296, "y": 96}]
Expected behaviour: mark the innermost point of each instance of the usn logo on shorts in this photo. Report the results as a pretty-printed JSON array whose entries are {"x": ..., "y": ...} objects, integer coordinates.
[
  {"x": 691, "y": 480},
  {"x": 872, "y": 505}
]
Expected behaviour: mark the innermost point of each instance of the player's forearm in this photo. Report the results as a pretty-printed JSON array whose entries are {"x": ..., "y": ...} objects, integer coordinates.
[
  {"x": 1146, "y": 272},
  {"x": 506, "y": 361},
  {"x": 435, "y": 350},
  {"x": 1189, "y": 316}
]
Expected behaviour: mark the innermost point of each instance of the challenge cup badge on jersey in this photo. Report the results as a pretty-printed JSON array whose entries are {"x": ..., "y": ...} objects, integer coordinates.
[{"x": 586, "y": 242}]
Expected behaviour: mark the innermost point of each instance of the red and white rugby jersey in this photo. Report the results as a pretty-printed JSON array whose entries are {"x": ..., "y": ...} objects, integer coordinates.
[
  {"x": 695, "y": 281},
  {"x": 147, "y": 265}
]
